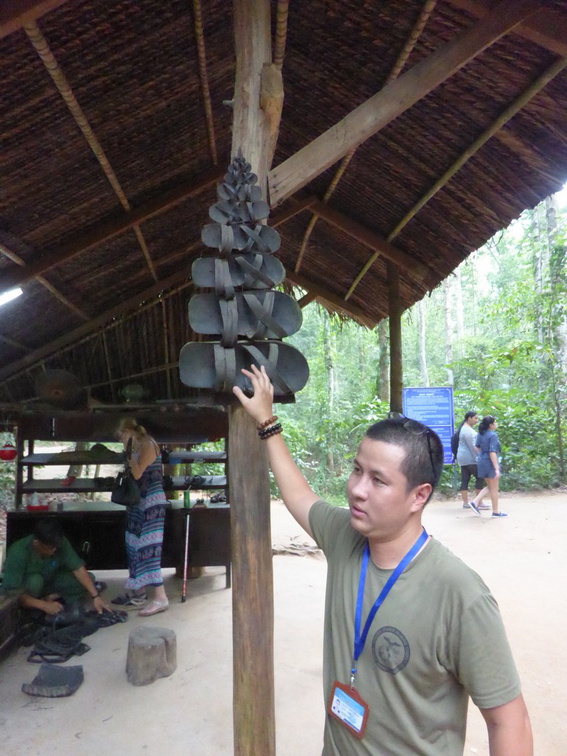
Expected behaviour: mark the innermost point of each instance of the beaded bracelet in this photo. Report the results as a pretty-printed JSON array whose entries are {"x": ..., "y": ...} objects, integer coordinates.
[
  {"x": 271, "y": 431},
  {"x": 267, "y": 422}
]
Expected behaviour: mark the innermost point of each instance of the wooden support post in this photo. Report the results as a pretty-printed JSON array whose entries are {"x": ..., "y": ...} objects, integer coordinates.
[
  {"x": 396, "y": 367},
  {"x": 249, "y": 484},
  {"x": 252, "y": 590}
]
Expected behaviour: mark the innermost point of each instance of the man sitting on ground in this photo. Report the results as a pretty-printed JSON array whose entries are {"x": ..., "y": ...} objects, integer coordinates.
[{"x": 45, "y": 567}]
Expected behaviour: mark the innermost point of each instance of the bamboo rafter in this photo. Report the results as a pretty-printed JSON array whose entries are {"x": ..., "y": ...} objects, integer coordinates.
[
  {"x": 56, "y": 293},
  {"x": 401, "y": 60},
  {"x": 41, "y": 46},
  {"x": 503, "y": 118},
  {"x": 204, "y": 77}
]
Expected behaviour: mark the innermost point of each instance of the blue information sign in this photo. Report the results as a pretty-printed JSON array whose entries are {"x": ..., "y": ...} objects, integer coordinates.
[{"x": 433, "y": 407}]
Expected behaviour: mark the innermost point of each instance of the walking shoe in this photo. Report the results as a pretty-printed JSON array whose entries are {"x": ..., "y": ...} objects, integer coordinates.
[
  {"x": 155, "y": 606},
  {"x": 128, "y": 599},
  {"x": 466, "y": 506},
  {"x": 500, "y": 514},
  {"x": 475, "y": 509},
  {"x": 484, "y": 506}
]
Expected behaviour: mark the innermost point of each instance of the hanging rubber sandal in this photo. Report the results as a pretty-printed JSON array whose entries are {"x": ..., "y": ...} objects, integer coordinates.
[{"x": 130, "y": 600}]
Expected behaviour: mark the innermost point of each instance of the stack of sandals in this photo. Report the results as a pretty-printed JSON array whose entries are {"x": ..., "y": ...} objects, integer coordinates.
[{"x": 244, "y": 311}]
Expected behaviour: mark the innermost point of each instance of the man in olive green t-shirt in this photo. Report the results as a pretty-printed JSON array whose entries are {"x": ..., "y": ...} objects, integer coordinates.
[
  {"x": 410, "y": 631},
  {"x": 47, "y": 571}
]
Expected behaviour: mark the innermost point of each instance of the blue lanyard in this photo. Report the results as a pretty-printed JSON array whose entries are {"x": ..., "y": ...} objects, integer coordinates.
[{"x": 360, "y": 640}]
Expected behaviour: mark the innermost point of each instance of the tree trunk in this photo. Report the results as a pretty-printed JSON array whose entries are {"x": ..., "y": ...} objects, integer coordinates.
[
  {"x": 421, "y": 314},
  {"x": 395, "y": 322},
  {"x": 459, "y": 311},
  {"x": 448, "y": 331},
  {"x": 330, "y": 380},
  {"x": 383, "y": 382},
  {"x": 557, "y": 324}
]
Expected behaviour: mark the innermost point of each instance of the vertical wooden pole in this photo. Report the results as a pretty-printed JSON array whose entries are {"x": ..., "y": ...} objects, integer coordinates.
[
  {"x": 395, "y": 320},
  {"x": 249, "y": 486},
  {"x": 252, "y": 590}
]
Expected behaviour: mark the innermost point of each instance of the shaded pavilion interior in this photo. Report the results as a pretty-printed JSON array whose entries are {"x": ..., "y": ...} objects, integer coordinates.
[{"x": 116, "y": 123}]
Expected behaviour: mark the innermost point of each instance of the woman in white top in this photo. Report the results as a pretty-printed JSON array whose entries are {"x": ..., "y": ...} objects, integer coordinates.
[{"x": 466, "y": 458}]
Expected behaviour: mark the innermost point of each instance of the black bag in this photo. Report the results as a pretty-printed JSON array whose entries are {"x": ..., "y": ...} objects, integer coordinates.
[
  {"x": 126, "y": 490},
  {"x": 455, "y": 443}
]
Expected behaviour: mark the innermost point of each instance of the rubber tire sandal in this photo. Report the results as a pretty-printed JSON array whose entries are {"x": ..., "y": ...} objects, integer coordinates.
[
  {"x": 255, "y": 315},
  {"x": 208, "y": 365},
  {"x": 260, "y": 239},
  {"x": 238, "y": 211},
  {"x": 249, "y": 271},
  {"x": 126, "y": 599}
]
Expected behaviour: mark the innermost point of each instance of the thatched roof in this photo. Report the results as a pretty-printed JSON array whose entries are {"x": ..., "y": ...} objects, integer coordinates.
[{"x": 116, "y": 125}]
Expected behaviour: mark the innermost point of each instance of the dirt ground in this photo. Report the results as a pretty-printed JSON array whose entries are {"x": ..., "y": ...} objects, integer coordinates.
[{"x": 522, "y": 558}]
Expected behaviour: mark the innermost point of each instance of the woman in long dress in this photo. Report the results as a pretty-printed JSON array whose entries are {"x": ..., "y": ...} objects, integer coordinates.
[{"x": 144, "y": 522}]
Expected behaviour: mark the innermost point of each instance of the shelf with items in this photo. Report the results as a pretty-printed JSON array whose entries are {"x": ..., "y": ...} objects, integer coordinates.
[{"x": 191, "y": 443}]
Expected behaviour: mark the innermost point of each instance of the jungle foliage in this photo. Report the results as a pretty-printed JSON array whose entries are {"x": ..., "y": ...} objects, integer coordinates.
[{"x": 507, "y": 344}]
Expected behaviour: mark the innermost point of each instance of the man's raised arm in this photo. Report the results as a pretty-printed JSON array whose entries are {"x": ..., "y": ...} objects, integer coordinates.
[{"x": 297, "y": 494}]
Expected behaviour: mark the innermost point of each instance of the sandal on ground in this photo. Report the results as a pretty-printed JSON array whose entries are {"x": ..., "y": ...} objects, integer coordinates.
[
  {"x": 500, "y": 514},
  {"x": 154, "y": 607},
  {"x": 128, "y": 599}
]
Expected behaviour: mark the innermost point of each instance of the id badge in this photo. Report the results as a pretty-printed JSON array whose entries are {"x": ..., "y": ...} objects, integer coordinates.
[{"x": 348, "y": 708}]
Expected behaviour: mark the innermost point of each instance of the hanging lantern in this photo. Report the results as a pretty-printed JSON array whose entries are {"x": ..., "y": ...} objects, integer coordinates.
[{"x": 8, "y": 452}]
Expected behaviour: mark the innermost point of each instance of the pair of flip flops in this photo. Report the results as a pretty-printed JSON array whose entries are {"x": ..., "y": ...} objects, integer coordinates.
[
  {"x": 264, "y": 240},
  {"x": 250, "y": 271},
  {"x": 208, "y": 365},
  {"x": 253, "y": 315},
  {"x": 235, "y": 210}
]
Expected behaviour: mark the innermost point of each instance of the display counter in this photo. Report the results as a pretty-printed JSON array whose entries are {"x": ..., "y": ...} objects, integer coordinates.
[{"x": 96, "y": 531}]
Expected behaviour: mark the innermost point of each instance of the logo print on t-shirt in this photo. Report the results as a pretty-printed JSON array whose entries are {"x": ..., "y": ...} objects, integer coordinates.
[{"x": 390, "y": 650}]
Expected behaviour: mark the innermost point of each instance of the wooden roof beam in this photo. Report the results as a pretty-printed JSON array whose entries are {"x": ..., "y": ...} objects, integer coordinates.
[
  {"x": 548, "y": 28},
  {"x": 90, "y": 327},
  {"x": 395, "y": 98},
  {"x": 319, "y": 292},
  {"x": 53, "y": 68},
  {"x": 402, "y": 59},
  {"x": 494, "y": 127},
  {"x": 112, "y": 227},
  {"x": 7, "y": 252}
]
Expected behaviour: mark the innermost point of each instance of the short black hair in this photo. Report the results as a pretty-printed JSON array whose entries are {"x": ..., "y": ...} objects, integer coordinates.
[
  {"x": 423, "y": 462},
  {"x": 49, "y": 532}
]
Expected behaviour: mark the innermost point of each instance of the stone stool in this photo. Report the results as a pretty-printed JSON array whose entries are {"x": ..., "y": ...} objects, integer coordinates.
[{"x": 152, "y": 653}]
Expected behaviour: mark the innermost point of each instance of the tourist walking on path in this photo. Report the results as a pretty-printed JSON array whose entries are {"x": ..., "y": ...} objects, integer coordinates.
[
  {"x": 466, "y": 459},
  {"x": 488, "y": 464}
]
